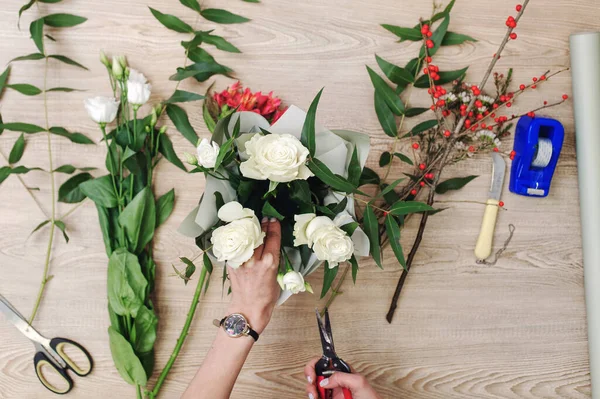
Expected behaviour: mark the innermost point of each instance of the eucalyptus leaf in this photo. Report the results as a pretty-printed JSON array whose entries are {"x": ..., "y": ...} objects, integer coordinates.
[
  {"x": 307, "y": 136},
  {"x": 68, "y": 169},
  {"x": 29, "y": 57},
  {"x": 454, "y": 184},
  {"x": 4, "y": 173},
  {"x": 371, "y": 227},
  {"x": 207, "y": 263},
  {"x": 354, "y": 169},
  {"x": 401, "y": 208},
  {"x": 452, "y": 39},
  {"x": 139, "y": 220},
  {"x": 190, "y": 269},
  {"x": 193, "y": 4},
  {"x": 70, "y": 191},
  {"x": 354, "y": 264},
  {"x": 127, "y": 363},
  {"x": 171, "y": 22},
  {"x": 389, "y": 96},
  {"x": 411, "y": 34},
  {"x": 336, "y": 182},
  {"x": 63, "y": 20},
  {"x": 63, "y": 89},
  {"x": 67, "y": 61},
  {"x": 385, "y": 116},
  {"x": 78, "y": 138},
  {"x": 36, "y": 29},
  {"x": 180, "y": 119},
  {"x": 165, "y": 147},
  {"x": 437, "y": 37},
  {"x": 328, "y": 279},
  {"x": 424, "y": 126},
  {"x": 22, "y": 127},
  {"x": 17, "y": 151},
  {"x": 101, "y": 191},
  {"x": 24, "y": 8},
  {"x": 368, "y": 176},
  {"x": 126, "y": 283},
  {"x": 3, "y": 79},
  {"x": 411, "y": 112},
  {"x": 164, "y": 207},
  {"x": 182, "y": 96},
  {"x": 25, "y": 88},
  {"x": 222, "y": 16},
  {"x": 393, "y": 231},
  {"x": 394, "y": 73}
]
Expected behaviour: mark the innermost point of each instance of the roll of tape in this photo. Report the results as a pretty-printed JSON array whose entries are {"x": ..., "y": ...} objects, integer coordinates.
[{"x": 544, "y": 153}]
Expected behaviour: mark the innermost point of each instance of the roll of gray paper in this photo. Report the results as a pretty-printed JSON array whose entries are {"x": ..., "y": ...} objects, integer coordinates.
[{"x": 585, "y": 67}]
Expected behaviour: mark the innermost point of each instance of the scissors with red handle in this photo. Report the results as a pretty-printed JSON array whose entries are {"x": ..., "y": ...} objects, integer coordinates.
[{"x": 330, "y": 362}]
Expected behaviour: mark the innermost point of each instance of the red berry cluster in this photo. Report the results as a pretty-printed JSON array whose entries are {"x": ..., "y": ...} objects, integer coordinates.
[
  {"x": 511, "y": 23},
  {"x": 512, "y": 154},
  {"x": 432, "y": 70}
]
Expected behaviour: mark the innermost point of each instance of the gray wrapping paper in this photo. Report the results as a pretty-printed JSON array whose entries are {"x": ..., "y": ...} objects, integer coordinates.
[{"x": 585, "y": 67}]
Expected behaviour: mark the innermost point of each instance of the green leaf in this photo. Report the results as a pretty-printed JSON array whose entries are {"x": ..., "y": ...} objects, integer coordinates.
[
  {"x": 308, "y": 129},
  {"x": 22, "y": 127},
  {"x": 328, "y": 278},
  {"x": 393, "y": 231},
  {"x": 164, "y": 207},
  {"x": 104, "y": 218},
  {"x": 30, "y": 57},
  {"x": 454, "y": 184},
  {"x": 403, "y": 158},
  {"x": 182, "y": 96},
  {"x": 101, "y": 191},
  {"x": 63, "y": 89},
  {"x": 68, "y": 169},
  {"x": 218, "y": 42},
  {"x": 180, "y": 119},
  {"x": 49, "y": 37},
  {"x": 411, "y": 34},
  {"x": 368, "y": 176},
  {"x": 165, "y": 147},
  {"x": 39, "y": 226},
  {"x": 207, "y": 263},
  {"x": 385, "y": 159},
  {"x": 202, "y": 71},
  {"x": 67, "y": 61},
  {"x": 3, "y": 79},
  {"x": 270, "y": 211},
  {"x": 401, "y": 208},
  {"x": 226, "y": 148},
  {"x": 354, "y": 264},
  {"x": 445, "y": 77},
  {"x": 385, "y": 116},
  {"x": 4, "y": 173},
  {"x": 415, "y": 112},
  {"x": 336, "y": 182},
  {"x": 198, "y": 54},
  {"x": 126, "y": 362},
  {"x": 171, "y": 22},
  {"x": 36, "y": 28},
  {"x": 394, "y": 73},
  {"x": 61, "y": 225},
  {"x": 25, "y": 88},
  {"x": 17, "y": 151},
  {"x": 144, "y": 330},
  {"x": 193, "y": 4},
  {"x": 300, "y": 191},
  {"x": 354, "y": 169},
  {"x": 139, "y": 220},
  {"x": 424, "y": 126},
  {"x": 126, "y": 284},
  {"x": 437, "y": 38},
  {"x": 222, "y": 16},
  {"x": 63, "y": 20},
  {"x": 74, "y": 137},
  {"x": 190, "y": 269},
  {"x": 25, "y": 8},
  {"x": 70, "y": 191},
  {"x": 389, "y": 96},
  {"x": 371, "y": 226},
  {"x": 452, "y": 39},
  {"x": 412, "y": 66},
  {"x": 19, "y": 170},
  {"x": 389, "y": 188}
]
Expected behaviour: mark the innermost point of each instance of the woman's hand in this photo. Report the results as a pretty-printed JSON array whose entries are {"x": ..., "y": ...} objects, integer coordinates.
[
  {"x": 254, "y": 284},
  {"x": 356, "y": 383}
]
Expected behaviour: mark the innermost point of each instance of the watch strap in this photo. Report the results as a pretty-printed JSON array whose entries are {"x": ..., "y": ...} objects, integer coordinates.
[{"x": 251, "y": 332}]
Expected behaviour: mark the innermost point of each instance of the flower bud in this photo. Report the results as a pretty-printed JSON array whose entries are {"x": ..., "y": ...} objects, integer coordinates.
[
  {"x": 162, "y": 130},
  {"x": 308, "y": 288},
  {"x": 117, "y": 69},
  {"x": 280, "y": 280},
  {"x": 190, "y": 159},
  {"x": 153, "y": 118},
  {"x": 104, "y": 59}
]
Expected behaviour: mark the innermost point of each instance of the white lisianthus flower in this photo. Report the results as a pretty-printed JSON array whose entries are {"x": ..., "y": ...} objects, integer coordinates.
[
  {"x": 329, "y": 242},
  {"x": 236, "y": 241},
  {"x": 207, "y": 153},
  {"x": 276, "y": 157},
  {"x": 138, "y": 88},
  {"x": 102, "y": 109}
]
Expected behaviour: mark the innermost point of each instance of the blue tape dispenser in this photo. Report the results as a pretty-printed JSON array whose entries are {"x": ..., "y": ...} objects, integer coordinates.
[{"x": 538, "y": 142}]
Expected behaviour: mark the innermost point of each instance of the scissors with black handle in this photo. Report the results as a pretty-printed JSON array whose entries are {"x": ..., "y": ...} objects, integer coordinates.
[
  {"x": 50, "y": 356},
  {"x": 330, "y": 362}
]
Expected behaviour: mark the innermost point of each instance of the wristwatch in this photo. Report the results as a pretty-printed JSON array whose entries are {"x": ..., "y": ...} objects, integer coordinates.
[{"x": 236, "y": 325}]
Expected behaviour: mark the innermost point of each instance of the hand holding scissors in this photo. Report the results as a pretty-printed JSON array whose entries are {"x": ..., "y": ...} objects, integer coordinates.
[{"x": 50, "y": 356}]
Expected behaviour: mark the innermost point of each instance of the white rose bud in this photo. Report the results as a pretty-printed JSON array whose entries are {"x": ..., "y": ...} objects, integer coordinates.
[
  {"x": 294, "y": 282},
  {"x": 138, "y": 88},
  {"x": 276, "y": 157},
  {"x": 236, "y": 241},
  {"x": 118, "y": 66},
  {"x": 280, "y": 280},
  {"x": 207, "y": 153},
  {"x": 191, "y": 159},
  {"x": 102, "y": 110},
  {"x": 328, "y": 241}
]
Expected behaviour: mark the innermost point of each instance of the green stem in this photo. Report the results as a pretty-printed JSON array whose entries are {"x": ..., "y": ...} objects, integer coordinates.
[
  {"x": 66, "y": 215},
  {"x": 182, "y": 335},
  {"x": 53, "y": 199},
  {"x": 336, "y": 291},
  {"x": 110, "y": 157},
  {"x": 139, "y": 391}
]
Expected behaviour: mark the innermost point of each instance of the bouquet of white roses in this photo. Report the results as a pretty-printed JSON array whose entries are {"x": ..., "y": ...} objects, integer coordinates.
[{"x": 304, "y": 175}]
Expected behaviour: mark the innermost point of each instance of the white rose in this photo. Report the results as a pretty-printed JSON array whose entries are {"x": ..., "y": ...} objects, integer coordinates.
[
  {"x": 293, "y": 282},
  {"x": 102, "y": 109},
  {"x": 236, "y": 241},
  {"x": 138, "y": 88},
  {"x": 207, "y": 153},
  {"x": 276, "y": 157},
  {"x": 328, "y": 241}
]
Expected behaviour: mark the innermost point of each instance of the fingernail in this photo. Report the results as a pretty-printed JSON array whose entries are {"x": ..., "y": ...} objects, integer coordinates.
[
  {"x": 273, "y": 220},
  {"x": 311, "y": 396},
  {"x": 324, "y": 383},
  {"x": 309, "y": 378},
  {"x": 264, "y": 220}
]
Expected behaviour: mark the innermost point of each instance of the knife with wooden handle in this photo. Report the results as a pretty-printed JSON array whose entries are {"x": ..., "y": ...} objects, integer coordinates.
[{"x": 483, "y": 249}]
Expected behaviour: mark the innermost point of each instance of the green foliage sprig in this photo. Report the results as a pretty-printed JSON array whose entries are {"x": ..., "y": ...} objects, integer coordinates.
[{"x": 41, "y": 30}]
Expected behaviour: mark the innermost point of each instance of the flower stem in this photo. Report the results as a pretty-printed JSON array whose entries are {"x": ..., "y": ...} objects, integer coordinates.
[
  {"x": 336, "y": 291},
  {"x": 182, "y": 335},
  {"x": 53, "y": 199}
]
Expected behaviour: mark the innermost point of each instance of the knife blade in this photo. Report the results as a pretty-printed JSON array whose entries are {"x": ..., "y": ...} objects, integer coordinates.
[
  {"x": 483, "y": 249},
  {"x": 498, "y": 173}
]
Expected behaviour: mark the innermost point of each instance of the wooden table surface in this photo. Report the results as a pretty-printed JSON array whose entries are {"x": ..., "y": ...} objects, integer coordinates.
[{"x": 462, "y": 330}]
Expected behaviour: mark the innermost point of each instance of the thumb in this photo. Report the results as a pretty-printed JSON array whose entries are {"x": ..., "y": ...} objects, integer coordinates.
[{"x": 354, "y": 382}]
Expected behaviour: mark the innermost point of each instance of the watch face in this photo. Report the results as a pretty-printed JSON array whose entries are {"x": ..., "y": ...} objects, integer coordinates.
[{"x": 235, "y": 325}]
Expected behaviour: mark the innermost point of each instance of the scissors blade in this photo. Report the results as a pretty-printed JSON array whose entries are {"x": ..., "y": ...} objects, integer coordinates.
[
  {"x": 19, "y": 321},
  {"x": 498, "y": 173},
  {"x": 325, "y": 339}
]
